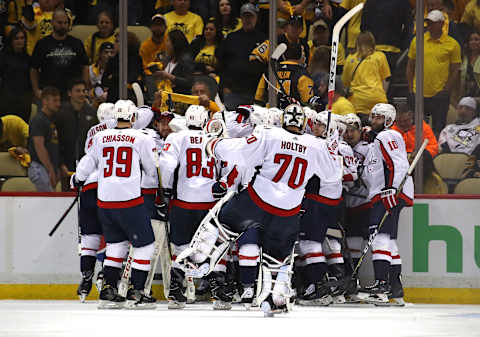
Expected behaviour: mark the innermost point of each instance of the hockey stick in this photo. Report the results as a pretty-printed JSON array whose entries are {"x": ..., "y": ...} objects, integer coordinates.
[
  {"x": 64, "y": 215},
  {"x": 277, "y": 53},
  {"x": 399, "y": 190},
  {"x": 127, "y": 271},
  {"x": 138, "y": 94},
  {"x": 334, "y": 53}
]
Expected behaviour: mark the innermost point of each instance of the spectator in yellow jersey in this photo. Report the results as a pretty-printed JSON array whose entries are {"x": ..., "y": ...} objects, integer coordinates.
[
  {"x": 320, "y": 36},
  {"x": 341, "y": 105},
  {"x": 105, "y": 33},
  {"x": 226, "y": 19},
  {"x": 353, "y": 28},
  {"x": 13, "y": 132},
  {"x": 203, "y": 48},
  {"x": 365, "y": 74},
  {"x": 37, "y": 20},
  {"x": 183, "y": 20},
  {"x": 294, "y": 78},
  {"x": 471, "y": 16},
  {"x": 441, "y": 70},
  {"x": 153, "y": 49},
  {"x": 296, "y": 8}
]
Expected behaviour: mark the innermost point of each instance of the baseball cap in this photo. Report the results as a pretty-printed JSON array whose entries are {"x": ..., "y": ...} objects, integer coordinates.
[
  {"x": 248, "y": 8},
  {"x": 158, "y": 17},
  {"x": 468, "y": 102},
  {"x": 435, "y": 16}
]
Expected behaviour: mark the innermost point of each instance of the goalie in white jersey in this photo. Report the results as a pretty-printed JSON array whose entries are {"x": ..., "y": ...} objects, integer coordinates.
[
  {"x": 119, "y": 155},
  {"x": 286, "y": 159},
  {"x": 193, "y": 182},
  {"x": 386, "y": 165}
]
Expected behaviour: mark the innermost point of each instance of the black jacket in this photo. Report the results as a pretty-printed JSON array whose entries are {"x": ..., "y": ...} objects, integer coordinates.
[{"x": 183, "y": 73}]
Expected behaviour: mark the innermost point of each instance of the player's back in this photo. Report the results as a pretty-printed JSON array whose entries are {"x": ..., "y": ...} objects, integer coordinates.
[
  {"x": 122, "y": 154},
  {"x": 196, "y": 173}
]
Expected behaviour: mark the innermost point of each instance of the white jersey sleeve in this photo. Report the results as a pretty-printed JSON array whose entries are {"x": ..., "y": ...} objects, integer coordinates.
[
  {"x": 349, "y": 162},
  {"x": 236, "y": 125},
  {"x": 169, "y": 158},
  {"x": 150, "y": 182}
]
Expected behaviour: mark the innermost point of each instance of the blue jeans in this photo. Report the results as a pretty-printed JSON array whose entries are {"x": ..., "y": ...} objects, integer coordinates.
[{"x": 38, "y": 174}]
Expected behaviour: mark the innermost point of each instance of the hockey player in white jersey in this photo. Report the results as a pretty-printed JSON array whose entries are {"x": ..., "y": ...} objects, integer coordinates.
[
  {"x": 192, "y": 181},
  {"x": 286, "y": 159},
  {"x": 357, "y": 203},
  {"x": 118, "y": 155},
  {"x": 386, "y": 166},
  {"x": 90, "y": 226},
  {"x": 322, "y": 199}
]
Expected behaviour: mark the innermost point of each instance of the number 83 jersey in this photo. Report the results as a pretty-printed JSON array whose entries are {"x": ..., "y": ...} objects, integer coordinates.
[
  {"x": 285, "y": 162},
  {"x": 183, "y": 157}
]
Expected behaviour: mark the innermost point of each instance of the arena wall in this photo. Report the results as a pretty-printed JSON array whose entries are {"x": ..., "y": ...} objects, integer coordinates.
[{"x": 439, "y": 241}]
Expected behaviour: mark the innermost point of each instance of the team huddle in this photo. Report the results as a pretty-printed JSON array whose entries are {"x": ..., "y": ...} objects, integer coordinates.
[{"x": 258, "y": 205}]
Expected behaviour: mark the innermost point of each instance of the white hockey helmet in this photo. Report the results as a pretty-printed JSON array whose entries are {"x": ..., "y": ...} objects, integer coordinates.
[
  {"x": 322, "y": 118},
  {"x": 105, "y": 111},
  {"x": 259, "y": 115},
  {"x": 386, "y": 110},
  {"x": 341, "y": 126},
  {"x": 309, "y": 113},
  {"x": 353, "y": 120},
  {"x": 144, "y": 117},
  {"x": 274, "y": 117},
  {"x": 196, "y": 116},
  {"x": 293, "y": 115},
  {"x": 124, "y": 109}
]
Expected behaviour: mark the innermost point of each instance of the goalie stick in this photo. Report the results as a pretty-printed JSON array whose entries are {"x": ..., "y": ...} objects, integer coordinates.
[
  {"x": 334, "y": 53},
  {"x": 399, "y": 190}
]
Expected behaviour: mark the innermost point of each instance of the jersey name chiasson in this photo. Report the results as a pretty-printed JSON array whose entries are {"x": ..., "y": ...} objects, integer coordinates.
[{"x": 118, "y": 138}]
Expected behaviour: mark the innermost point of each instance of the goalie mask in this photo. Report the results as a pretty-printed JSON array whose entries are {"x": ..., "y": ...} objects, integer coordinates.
[
  {"x": 196, "y": 116},
  {"x": 386, "y": 110},
  {"x": 293, "y": 115}
]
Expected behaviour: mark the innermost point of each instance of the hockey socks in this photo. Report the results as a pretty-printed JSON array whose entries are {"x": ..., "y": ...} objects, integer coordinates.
[
  {"x": 248, "y": 274},
  {"x": 315, "y": 272},
  {"x": 381, "y": 268},
  {"x": 138, "y": 278},
  {"x": 87, "y": 263},
  {"x": 111, "y": 275}
]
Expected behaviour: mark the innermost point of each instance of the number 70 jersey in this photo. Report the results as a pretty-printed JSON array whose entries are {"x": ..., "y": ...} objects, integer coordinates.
[{"x": 285, "y": 161}]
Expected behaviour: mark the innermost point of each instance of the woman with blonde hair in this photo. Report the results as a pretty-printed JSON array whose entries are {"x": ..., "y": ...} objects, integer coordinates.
[{"x": 364, "y": 75}]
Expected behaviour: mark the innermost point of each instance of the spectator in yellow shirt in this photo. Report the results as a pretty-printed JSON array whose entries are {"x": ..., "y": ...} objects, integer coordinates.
[
  {"x": 441, "y": 70},
  {"x": 365, "y": 74},
  {"x": 182, "y": 19},
  {"x": 353, "y": 28},
  {"x": 203, "y": 48},
  {"x": 13, "y": 132},
  {"x": 225, "y": 19},
  {"x": 105, "y": 33},
  {"x": 341, "y": 105},
  {"x": 471, "y": 16},
  {"x": 153, "y": 50}
]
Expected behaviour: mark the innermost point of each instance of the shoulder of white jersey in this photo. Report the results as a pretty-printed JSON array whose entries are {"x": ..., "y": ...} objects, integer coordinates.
[{"x": 144, "y": 117}]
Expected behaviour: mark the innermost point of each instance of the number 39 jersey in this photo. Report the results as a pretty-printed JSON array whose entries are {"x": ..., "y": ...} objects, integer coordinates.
[
  {"x": 196, "y": 173},
  {"x": 284, "y": 161},
  {"x": 120, "y": 155},
  {"x": 386, "y": 165}
]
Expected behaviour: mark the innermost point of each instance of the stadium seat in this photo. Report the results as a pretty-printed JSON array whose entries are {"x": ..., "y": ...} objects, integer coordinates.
[
  {"x": 19, "y": 184},
  {"x": 451, "y": 167},
  {"x": 142, "y": 32},
  {"x": 468, "y": 186},
  {"x": 9, "y": 167}
]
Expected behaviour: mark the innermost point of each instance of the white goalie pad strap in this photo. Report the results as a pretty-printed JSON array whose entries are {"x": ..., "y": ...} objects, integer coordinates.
[
  {"x": 221, "y": 266},
  {"x": 381, "y": 247},
  {"x": 396, "y": 259},
  {"x": 142, "y": 257},
  {"x": 355, "y": 245},
  {"x": 333, "y": 251},
  {"x": 335, "y": 233},
  {"x": 248, "y": 255},
  {"x": 90, "y": 244},
  {"x": 282, "y": 290},
  {"x": 116, "y": 253},
  {"x": 311, "y": 252}
]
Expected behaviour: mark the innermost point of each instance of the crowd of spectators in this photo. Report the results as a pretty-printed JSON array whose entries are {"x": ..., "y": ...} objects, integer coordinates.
[{"x": 52, "y": 82}]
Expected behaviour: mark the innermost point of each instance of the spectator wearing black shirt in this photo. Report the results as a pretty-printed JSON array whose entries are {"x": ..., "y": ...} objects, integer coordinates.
[
  {"x": 240, "y": 77},
  {"x": 58, "y": 58},
  {"x": 73, "y": 121},
  {"x": 44, "y": 170},
  {"x": 15, "y": 86}
]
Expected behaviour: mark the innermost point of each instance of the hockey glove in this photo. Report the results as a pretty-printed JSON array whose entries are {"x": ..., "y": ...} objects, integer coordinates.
[
  {"x": 244, "y": 110},
  {"x": 389, "y": 198},
  {"x": 167, "y": 194},
  {"x": 74, "y": 183},
  {"x": 317, "y": 103},
  {"x": 162, "y": 210},
  {"x": 219, "y": 189}
]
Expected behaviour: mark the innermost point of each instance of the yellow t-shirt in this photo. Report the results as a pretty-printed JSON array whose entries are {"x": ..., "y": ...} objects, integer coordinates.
[
  {"x": 190, "y": 24},
  {"x": 15, "y": 131},
  {"x": 353, "y": 28},
  {"x": 162, "y": 6},
  {"x": 98, "y": 42},
  {"x": 207, "y": 56},
  {"x": 367, "y": 82},
  {"x": 471, "y": 16},
  {"x": 152, "y": 52},
  {"x": 342, "y": 106},
  {"x": 340, "y": 53},
  {"x": 438, "y": 55},
  {"x": 228, "y": 30}
]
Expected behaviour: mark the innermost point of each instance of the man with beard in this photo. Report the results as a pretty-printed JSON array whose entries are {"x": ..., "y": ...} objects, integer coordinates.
[{"x": 58, "y": 57}]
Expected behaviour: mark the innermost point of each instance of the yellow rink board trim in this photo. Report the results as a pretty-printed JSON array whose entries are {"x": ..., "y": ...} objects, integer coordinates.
[{"x": 69, "y": 291}]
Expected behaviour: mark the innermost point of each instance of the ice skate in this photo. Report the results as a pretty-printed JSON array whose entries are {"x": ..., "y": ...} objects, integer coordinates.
[
  {"x": 109, "y": 298},
  {"x": 85, "y": 285}
]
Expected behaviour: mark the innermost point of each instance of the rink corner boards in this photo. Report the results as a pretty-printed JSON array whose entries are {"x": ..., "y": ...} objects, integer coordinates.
[{"x": 68, "y": 292}]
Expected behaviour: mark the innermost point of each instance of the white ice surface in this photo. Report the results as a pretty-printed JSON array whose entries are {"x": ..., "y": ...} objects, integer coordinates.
[{"x": 71, "y": 318}]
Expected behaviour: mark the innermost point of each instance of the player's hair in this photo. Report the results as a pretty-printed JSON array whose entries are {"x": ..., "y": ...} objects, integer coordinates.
[
  {"x": 50, "y": 91},
  {"x": 75, "y": 82},
  {"x": 365, "y": 44}
]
